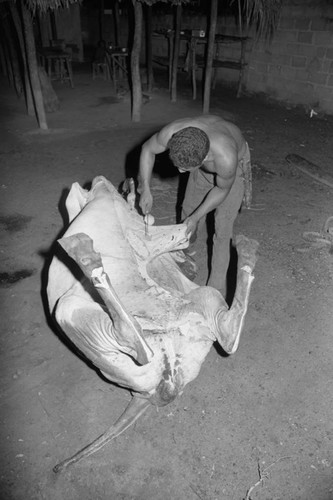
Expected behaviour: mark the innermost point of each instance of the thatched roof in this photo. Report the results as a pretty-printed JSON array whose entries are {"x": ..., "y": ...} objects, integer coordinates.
[
  {"x": 44, "y": 5},
  {"x": 263, "y": 14},
  {"x": 173, "y": 2}
]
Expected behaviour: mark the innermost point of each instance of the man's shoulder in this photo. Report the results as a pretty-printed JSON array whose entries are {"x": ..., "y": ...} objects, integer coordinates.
[
  {"x": 215, "y": 127},
  {"x": 165, "y": 134}
]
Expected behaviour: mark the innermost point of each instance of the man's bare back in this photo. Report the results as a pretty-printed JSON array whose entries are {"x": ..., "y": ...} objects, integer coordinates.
[{"x": 226, "y": 147}]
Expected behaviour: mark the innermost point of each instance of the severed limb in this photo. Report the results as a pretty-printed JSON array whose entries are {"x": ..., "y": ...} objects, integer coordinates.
[
  {"x": 226, "y": 324},
  {"x": 134, "y": 410},
  {"x": 129, "y": 188},
  {"x": 229, "y": 323},
  {"x": 127, "y": 330}
]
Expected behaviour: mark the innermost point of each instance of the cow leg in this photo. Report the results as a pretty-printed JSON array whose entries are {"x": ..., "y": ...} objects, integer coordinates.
[
  {"x": 127, "y": 330},
  {"x": 134, "y": 410},
  {"x": 229, "y": 323},
  {"x": 75, "y": 201}
]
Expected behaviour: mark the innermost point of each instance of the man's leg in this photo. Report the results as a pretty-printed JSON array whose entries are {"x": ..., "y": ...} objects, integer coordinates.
[
  {"x": 198, "y": 185},
  {"x": 225, "y": 216}
]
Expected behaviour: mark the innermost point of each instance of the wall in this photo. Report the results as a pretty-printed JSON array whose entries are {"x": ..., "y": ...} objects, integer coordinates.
[
  {"x": 68, "y": 21},
  {"x": 95, "y": 28},
  {"x": 297, "y": 67},
  {"x": 68, "y": 26}
]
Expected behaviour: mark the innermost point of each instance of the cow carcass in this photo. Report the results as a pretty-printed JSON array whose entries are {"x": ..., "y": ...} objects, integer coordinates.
[{"x": 123, "y": 301}]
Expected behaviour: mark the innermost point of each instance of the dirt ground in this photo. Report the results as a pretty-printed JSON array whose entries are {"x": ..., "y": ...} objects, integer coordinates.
[{"x": 264, "y": 413}]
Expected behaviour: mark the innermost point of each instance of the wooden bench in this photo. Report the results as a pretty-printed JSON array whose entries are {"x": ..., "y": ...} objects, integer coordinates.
[
  {"x": 193, "y": 61},
  {"x": 198, "y": 62}
]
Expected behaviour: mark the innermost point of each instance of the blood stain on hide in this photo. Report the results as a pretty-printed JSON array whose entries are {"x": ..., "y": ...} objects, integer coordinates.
[{"x": 167, "y": 371}]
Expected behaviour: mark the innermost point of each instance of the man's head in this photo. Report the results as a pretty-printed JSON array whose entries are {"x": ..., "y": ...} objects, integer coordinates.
[{"x": 188, "y": 148}]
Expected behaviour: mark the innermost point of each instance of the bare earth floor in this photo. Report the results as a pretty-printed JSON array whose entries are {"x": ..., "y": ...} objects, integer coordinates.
[{"x": 263, "y": 413}]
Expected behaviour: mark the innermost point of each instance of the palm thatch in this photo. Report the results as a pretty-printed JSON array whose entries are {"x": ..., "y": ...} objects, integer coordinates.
[
  {"x": 45, "y": 5},
  {"x": 263, "y": 15},
  {"x": 172, "y": 2}
]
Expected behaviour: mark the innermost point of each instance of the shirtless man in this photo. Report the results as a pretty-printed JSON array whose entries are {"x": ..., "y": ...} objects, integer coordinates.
[{"x": 216, "y": 154}]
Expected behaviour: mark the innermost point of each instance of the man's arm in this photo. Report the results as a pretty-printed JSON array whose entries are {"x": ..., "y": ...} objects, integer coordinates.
[
  {"x": 149, "y": 150},
  {"x": 214, "y": 198},
  {"x": 225, "y": 177}
]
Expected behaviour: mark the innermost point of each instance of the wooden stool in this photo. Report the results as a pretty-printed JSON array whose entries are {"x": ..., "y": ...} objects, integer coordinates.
[
  {"x": 118, "y": 66},
  {"x": 65, "y": 69},
  {"x": 101, "y": 69}
]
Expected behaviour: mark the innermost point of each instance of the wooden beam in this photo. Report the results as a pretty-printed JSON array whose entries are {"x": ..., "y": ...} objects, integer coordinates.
[
  {"x": 175, "y": 55},
  {"x": 210, "y": 55}
]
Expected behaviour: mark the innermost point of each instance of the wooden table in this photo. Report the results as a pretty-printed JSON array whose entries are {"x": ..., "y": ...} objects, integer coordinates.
[
  {"x": 192, "y": 61},
  {"x": 218, "y": 62},
  {"x": 57, "y": 64}
]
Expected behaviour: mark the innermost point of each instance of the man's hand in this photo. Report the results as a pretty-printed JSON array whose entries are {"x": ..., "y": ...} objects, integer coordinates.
[
  {"x": 146, "y": 201},
  {"x": 192, "y": 225}
]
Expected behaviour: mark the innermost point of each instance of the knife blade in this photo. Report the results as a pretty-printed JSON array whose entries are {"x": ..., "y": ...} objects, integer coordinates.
[{"x": 145, "y": 220}]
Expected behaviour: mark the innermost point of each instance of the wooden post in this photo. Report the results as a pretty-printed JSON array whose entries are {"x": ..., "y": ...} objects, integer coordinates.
[
  {"x": 116, "y": 23},
  {"x": 243, "y": 44},
  {"x": 135, "y": 63},
  {"x": 101, "y": 20},
  {"x": 33, "y": 67},
  {"x": 27, "y": 85},
  {"x": 210, "y": 55},
  {"x": 176, "y": 46},
  {"x": 149, "y": 49},
  {"x": 3, "y": 64},
  {"x": 7, "y": 59},
  {"x": 53, "y": 23},
  {"x": 13, "y": 64}
]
